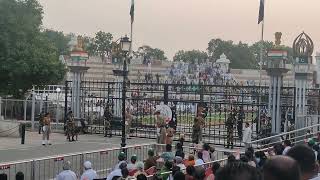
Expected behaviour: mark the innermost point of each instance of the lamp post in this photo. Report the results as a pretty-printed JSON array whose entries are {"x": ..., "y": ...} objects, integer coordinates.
[
  {"x": 125, "y": 45},
  {"x": 58, "y": 90}
]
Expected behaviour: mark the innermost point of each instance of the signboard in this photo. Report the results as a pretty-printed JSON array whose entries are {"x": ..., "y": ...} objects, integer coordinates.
[{"x": 302, "y": 60}]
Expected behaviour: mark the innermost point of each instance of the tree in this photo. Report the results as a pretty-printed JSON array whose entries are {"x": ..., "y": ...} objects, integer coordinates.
[
  {"x": 193, "y": 56},
  {"x": 101, "y": 45},
  {"x": 27, "y": 57},
  {"x": 256, "y": 49},
  {"x": 149, "y": 53},
  {"x": 59, "y": 40}
]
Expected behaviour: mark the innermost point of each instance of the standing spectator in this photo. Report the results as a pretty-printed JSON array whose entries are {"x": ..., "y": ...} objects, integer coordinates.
[
  {"x": 247, "y": 135},
  {"x": 46, "y": 129},
  {"x": 199, "y": 161},
  {"x": 179, "y": 151},
  {"x": 190, "y": 172},
  {"x": 168, "y": 154},
  {"x": 214, "y": 168},
  {"x": 281, "y": 168},
  {"x": 122, "y": 159},
  {"x": 306, "y": 159},
  {"x": 89, "y": 173},
  {"x": 151, "y": 161},
  {"x": 66, "y": 174},
  {"x": 237, "y": 171},
  {"x": 132, "y": 164},
  {"x": 287, "y": 146}
]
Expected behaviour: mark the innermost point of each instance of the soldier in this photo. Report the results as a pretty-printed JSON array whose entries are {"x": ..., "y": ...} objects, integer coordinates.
[
  {"x": 161, "y": 128},
  {"x": 107, "y": 120},
  {"x": 241, "y": 117},
  {"x": 230, "y": 127},
  {"x": 46, "y": 129},
  {"x": 70, "y": 130},
  {"x": 129, "y": 118},
  {"x": 196, "y": 130},
  {"x": 41, "y": 116}
]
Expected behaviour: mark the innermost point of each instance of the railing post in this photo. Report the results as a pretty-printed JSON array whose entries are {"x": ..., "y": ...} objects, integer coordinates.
[
  {"x": 81, "y": 163},
  {"x": 33, "y": 109},
  {"x": 23, "y": 133},
  {"x": 65, "y": 102},
  {"x": 32, "y": 170}
]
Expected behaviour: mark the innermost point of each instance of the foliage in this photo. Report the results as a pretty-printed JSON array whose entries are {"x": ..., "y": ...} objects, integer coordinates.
[
  {"x": 101, "y": 45},
  {"x": 59, "y": 40},
  {"x": 149, "y": 53},
  {"x": 27, "y": 57},
  {"x": 193, "y": 56}
]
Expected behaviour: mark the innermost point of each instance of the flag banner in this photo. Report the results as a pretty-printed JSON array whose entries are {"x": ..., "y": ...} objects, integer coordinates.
[
  {"x": 261, "y": 12},
  {"x": 132, "y": 11}
]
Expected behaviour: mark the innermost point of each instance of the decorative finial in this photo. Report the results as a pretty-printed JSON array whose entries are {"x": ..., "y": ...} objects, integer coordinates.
[{"x": 278, "y": 38}]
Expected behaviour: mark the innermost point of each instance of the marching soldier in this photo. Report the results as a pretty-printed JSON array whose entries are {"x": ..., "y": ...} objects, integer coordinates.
[
  {"x": 70, "y": 130},
  {"x": 230, "y": 128},
  {"x": 107, "y": 121}
]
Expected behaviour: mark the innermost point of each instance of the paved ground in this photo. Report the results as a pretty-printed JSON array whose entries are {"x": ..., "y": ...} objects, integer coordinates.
[{"x": 12, "y": 150}]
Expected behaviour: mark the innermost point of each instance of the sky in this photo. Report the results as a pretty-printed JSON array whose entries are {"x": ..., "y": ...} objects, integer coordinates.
[{"x": 174, "y": 25}]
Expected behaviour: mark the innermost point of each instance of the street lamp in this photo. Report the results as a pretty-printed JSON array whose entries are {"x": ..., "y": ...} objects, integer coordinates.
[{"x": 125, "y": 45}]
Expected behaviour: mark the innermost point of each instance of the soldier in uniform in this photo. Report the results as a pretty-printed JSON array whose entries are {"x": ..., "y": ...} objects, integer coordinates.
[
  {"x": 161, "y": 128},
  {"x": 70, "y": 129},
  {"x": 107, "y": 121},
  {"x": 40, "y": 118},
  {"x": 196, "y": 130},
  {"x": 230, "y": 128},
  {"x": 241, "y": 117}
]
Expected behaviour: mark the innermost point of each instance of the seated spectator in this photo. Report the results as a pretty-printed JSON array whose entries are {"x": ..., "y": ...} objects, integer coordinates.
[
  {"x": 200, "y": 173},
  {"x": 237, "y": 171},
  {"x": 116, "y": 173},
  {"x": 165, "y": 169},
  {"x": 66, "y": 173},
  {"x": 140, "y": 169},
  {"x": 281, "y": 168},
  {"x": 287, "y": 146},
  {"x": 19, "y": 176},
  {"x": 214, "y": 168},
  {"x": 306, "y": 160},
  {"x": 199, "y": 161},
  {"x": 190, "y": 172},
  {"x": 132, "y": 164},
  {"x": 122, "y": 159},
  {"x": 168, "y": 154},
  {"x": 190, "y": 161},
  {"x": 141, "y": 177},
  {"x": 175, "y": 169},
  {"x": 260, "y": 158},
  {"x": 179, "y": 151},
  {"x": 178, "y": 162},
  {"x": 89, "y": 173},
  {"x": 278, "y": 149},
  {"x": 205, "y": 153},
  {"x": 179, "y": 176},
  {"x": 151, "y": 161},
  {"x": 124, "y": 174}
]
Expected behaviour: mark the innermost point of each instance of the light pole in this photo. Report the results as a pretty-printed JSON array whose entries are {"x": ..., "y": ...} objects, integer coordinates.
[
  {"x": 58, "y": 90},
  {"x": 125, "y": 45}
]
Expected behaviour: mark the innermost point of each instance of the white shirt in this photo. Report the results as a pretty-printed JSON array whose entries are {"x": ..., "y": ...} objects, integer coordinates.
[
  {"x": 199, "y": 162},
  {"x": 286, "y": 149},
  {"x": 89, "y": 174},
  {"x": 116, "y": 172},
  {"x": 67, "y": 175},
  {"x": 247, "y": 135}
]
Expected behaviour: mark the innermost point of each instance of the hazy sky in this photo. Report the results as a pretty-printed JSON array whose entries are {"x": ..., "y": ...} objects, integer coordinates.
[{"x": 173, "y": 25}]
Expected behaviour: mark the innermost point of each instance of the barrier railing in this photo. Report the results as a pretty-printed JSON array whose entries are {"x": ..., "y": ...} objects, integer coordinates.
[{"x": 103, "y": 161}]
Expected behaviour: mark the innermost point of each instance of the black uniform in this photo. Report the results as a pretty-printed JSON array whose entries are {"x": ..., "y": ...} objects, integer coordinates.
[
  {"x": 241, "y": 117},
  {"x": 71, "y": 127},
  {"x": 107, "y": 121},
  {"x": 230, "y": 128}
]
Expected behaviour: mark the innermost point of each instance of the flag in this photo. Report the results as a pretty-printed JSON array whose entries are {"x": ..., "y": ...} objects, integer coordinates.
[
  {"x": 132, "y": 11},
  {"x": 261, "y": 11}
]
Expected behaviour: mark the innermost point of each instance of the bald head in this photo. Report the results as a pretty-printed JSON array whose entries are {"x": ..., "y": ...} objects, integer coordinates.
[{"x": 280, "y": 168}]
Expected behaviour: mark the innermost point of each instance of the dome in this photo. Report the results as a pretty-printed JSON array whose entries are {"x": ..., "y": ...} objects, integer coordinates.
[
  {"x": 303, "y": 45},
  {"x": 223, "y": 59}
]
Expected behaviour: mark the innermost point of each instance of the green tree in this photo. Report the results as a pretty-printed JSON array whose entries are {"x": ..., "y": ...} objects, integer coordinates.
[
  {"x": 27, "y": 56},
  {"x": 256, "y": 49},
  {"x": 193, "y": 56},
  {"x": 59, "y": 40},
  {"x": 147, "y": 52},
  {"x": 101, "y": 45}
]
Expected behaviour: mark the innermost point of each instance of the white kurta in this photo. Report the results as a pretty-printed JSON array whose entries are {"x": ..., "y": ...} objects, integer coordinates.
[{"x": 247, "y": 135}]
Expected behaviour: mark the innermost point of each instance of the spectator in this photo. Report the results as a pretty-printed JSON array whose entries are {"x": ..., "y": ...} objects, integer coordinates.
[
  {"x": 231, "y": 159},
  {"x": 66, "y": 174},
  {"x": 116, "y": 173},
  {"x": 179, "y": 176},
  {"x": 190, "y": 172},
  {"x": 122, "y": 159},
  {"x": 175, "y": 169},
  {"x": 190, "y": 161},
  {"x": 3, "y": 176},
  {"x": 212, "y": 157},
  {"x": 89, "y": 173},
  {"x": 260, "y": 158},
  {"x": 199, "y": 161},
  {"x": 237, "y": 171},
  {"x": 165, "y": 169},
  {"x": 140, "y": 169},
  {"x": 307, "y": 161},
  {"x": 205, "y": 152},
  {"x": 287, "y": 146},
  {"x": 179, "y": 151},
  {"x": 247, "y": 135},
  {"x": 199, "y": 173},
  {"x": 141, "y": 177},
  {"x": 251, "y": 160},
  {"x": 19, "y": 176},
  {"x": 124, "y": 174},
  {"x": 132, "y": 164},
  {"x": 214, "y": 168},
  {"x": 151, "y": 161},
  {"x": 278, "y": 149},
  {"x": 168, "y": 154},
  {"x": 281, "y": 168},
  {"x": 178, "y": 162}
]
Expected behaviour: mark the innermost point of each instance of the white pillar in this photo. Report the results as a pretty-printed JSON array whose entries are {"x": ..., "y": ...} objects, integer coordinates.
[{"x": 33, "y": 109}]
